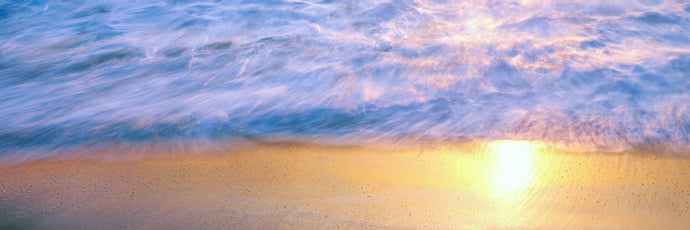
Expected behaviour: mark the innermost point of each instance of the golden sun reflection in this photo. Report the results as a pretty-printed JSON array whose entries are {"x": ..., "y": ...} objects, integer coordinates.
[{"x": 513, "y": 166}]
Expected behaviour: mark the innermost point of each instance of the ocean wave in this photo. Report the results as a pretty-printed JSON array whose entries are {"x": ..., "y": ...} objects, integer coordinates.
[{"x": 601, "y": 73}]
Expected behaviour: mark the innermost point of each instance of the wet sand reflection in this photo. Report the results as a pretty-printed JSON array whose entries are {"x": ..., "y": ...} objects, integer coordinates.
[{"x": 504, "y": 184}]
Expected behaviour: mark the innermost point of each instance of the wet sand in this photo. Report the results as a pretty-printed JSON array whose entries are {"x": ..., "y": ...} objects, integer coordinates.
[{"x": 296, "y": 186}]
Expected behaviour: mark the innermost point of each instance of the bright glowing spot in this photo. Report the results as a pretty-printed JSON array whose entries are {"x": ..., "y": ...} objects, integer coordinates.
[
  {"x": 478, "y": 27},
  {"x": 513, "y": 166}
]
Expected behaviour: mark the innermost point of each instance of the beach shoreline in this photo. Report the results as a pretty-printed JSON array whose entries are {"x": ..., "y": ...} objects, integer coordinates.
[{"x": 303, "y": 186}]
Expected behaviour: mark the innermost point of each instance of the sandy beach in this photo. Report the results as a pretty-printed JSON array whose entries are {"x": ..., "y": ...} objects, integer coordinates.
[{"x": 296, "y": 186}]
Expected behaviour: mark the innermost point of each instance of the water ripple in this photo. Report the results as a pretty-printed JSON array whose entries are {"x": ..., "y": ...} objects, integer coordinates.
[{"x": 604, "y": 74}]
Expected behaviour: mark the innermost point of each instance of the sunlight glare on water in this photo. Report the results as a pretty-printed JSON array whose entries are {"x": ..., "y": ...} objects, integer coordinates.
[{"x": 513, "y": 167}]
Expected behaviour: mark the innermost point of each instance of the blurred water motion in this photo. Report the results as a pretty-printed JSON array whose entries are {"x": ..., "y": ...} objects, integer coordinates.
[{"x": 601, "y": 74}]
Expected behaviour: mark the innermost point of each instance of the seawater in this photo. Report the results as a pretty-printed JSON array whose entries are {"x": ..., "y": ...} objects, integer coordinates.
[{"x": 89, "y": 73}]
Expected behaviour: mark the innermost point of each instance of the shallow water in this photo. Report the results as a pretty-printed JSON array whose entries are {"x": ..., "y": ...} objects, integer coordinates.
[{"x": 609, "y": 74}]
